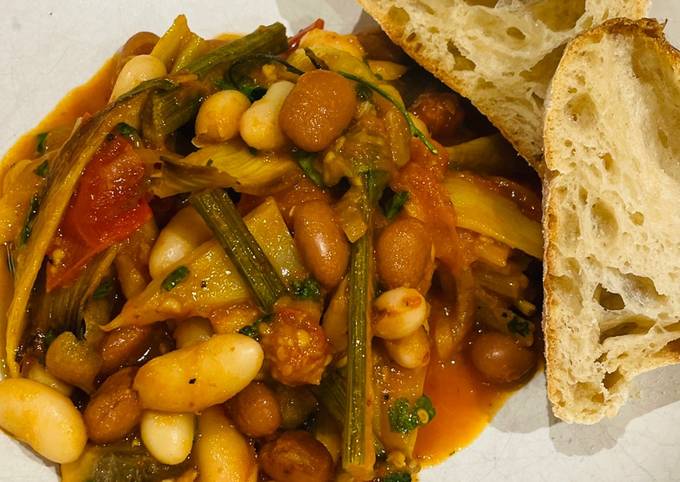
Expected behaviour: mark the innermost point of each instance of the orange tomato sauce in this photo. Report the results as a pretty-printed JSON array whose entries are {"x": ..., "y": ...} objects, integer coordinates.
[{"x": 464, "y": 404}]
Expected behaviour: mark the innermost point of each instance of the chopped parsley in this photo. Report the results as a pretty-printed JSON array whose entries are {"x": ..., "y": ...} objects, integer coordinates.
[
  {"x": 306, "y": 162},
  {"x": 519, "y": 326},
  {"x": 253, "y": 330},
  {"x": 41, "y": 143},
  {"x": 175, "y": 278},
  {"x": 363, "y": 93},
  {"x": 392, "y": 204},
  {"x": 130, "y": 133},
  {"x": 253, "y": 92},
  {"x": 309, "y": 289},
  {"x": 403, "y": 418},
  {"x": 42, "y": 169},
  {"x": 33, "y": 209},
  {"x": 397, "y": 477}
]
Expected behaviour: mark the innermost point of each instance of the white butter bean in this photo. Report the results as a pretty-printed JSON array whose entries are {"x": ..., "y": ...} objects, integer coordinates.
[
  {"x": 43, "y": 418},
  {"x": 260, "y": 123},
  {"x": 399, "y": 312},
  {"x": 194, "y": 378},
  {"x": 39, "y": 373},
  {"x": 219, "y": 117},
  {"x": 223, "y": 453},
  {"x": 184, "y": 233},
  {"x": 412, "y": 351},
  {"x": 137, "y": 70},
  {"x": 168, "y": 436}
]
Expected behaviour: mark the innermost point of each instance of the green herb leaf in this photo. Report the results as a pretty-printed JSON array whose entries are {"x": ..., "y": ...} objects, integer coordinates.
[
  {"x": 309, "y": 289},
  {"x": 103, "y": 290},
  {"x": 130, "y": 133},
  {"x": 519, "y": 326},
  {"x": 41, "y": 143},
  {"x": 403, "y": 418},
  {"x": 175, "y": 278},
  {"x": 397, "y": 477},
  {"x": 49, "y": 336},
  {"x": 306, "y": 162},
  {"x": 253, "y": 330},
  {"x": 126, "y": 129},
  {"x": 253, "y": 92},
  {"x": 414, "y": 130},
  {"x": 393, "y": 205},
  {"x": 33, "y": 209},
  {"x": 424, "y": 404},
  {"x": 363, "y": 93},
  {"x": 42, "y": 169}
]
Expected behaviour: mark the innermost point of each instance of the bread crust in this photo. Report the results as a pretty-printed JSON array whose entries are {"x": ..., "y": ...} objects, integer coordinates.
[
  {"x": 530, "y": 148},
  {"x": 556, "y": 369}
]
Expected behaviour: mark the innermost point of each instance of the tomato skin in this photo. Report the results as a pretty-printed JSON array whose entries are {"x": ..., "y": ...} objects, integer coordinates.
[
  {"x": 108, "y": 205},
  {"x": 429, "y": 201}
]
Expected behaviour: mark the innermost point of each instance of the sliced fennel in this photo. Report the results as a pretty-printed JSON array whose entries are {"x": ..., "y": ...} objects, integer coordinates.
[{"x": 486, "y": 212}]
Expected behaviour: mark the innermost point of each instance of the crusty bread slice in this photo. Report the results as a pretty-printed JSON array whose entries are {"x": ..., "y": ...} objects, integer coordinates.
[
  {"x": 500, "y": 54},
  {"x": 611, "y": 216}
]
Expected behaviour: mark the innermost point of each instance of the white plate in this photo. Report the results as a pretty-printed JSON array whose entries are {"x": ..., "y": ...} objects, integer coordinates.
[{"x": 50, "y": 46}]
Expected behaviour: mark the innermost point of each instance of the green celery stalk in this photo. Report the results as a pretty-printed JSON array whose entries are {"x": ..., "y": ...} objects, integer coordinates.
[
  {"x": 358, "y": 456},
  {"x": 269, "y": 39},
  {"x": 221, "y": 216}
]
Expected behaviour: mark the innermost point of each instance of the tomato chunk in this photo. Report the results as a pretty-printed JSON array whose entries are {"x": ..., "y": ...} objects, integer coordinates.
[{"x": 108, "y": 205}]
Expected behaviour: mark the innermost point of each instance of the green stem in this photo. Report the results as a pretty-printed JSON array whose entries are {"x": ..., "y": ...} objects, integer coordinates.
[
  {"x": 221, "y": 216},
  {"x": 269, "y": 39},
  {"x": 412, "y": 127},
  {"x": 358, "y": 454}
]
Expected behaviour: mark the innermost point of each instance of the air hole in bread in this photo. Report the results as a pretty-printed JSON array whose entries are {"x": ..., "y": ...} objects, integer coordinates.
[
  {"x": 582, "y": 110},
  {"x": 673, "y": 328},
  {"x": 426, "y": 7},
  {"x": 515, "y": 33},
  {"x": 612, "y": 379},
  {"x": 411, "y": 37},
  {"x": 559, "y": 15},
  {"x": 630, "y": 325},
  {"x": 604, "y": 219},
  {"x": 433, "y": 30},
  {"x": 608, "y": 300},
  {"x": 642, "y": 289},
  {"x": 398, "y": 16},
  {"x": 583, "y": 195},
  {"x": 637, "y": 218},
  {"x": 568, "y": 143},
  {"x": 461, "y": 62},
  {"x": 544, "y": 69},
  {"x": 607, "y": 162},
  {"x": 583, "y": 389}
]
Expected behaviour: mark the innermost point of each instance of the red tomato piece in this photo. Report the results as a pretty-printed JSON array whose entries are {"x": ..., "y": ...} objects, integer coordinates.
[{"x": 108, "y": 206}]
